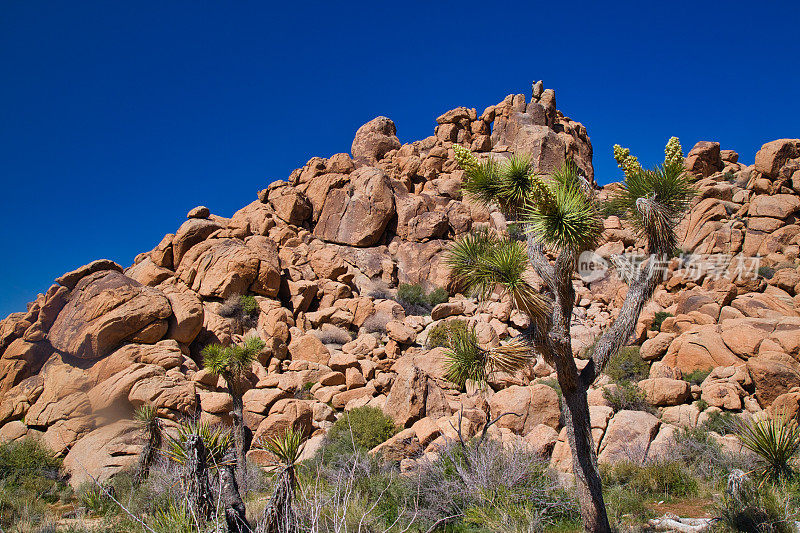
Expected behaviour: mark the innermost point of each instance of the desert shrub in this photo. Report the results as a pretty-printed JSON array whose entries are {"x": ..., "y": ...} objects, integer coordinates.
[
  {"x": 411, "y": 294},
  {"x": 96, "y": 499},
  {"x": 659, "y": 319},
  {"x": 243, "y": 308},
  {"x": 721, "y": 422},
  {"x": 330, "y": 334},
  {"x": 359, "y": 429},
  {"x": 766, "y": 272},
  {"x": 416, "y": 301},
  {"x": 437, "y": 296},
  {"x": 627, "y": 396},
  {"x": 358, "y": 492},
  {"x": 627, "y": 365},
  {"x": 376, "y": 323},
  {"x": 490, "y": 487},
  {"x": 704, "y": 457},
  {"x": 439, "y": 335},
  {"x": 755, "y": 508},
  {"x": 625, "y": 506},
  {"x": 701, "y": 405},
  {"x": 696, "y": 377},
  {"x": 662, "y": 477},
  {"x": 775, "y": 439},
  {"x": 729, "y": 176},
  {"x": 249, "y": 305},
  {"x": 29, "y": 481}
]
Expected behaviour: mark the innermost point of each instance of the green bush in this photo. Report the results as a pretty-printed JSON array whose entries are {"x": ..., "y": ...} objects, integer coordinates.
[
  {"x": 359, "y": 429},
  {"x": 30, "y": 480},
  {"x": 721, "y": 422},
  {"x": 627, "y": 365},
  {"x": 416, "y": 301},
  {"x": 662, "y": 478},
  {"x": 659, "y": 319},
  {"x": 627, "y": 396},
  {"x": 696, "y": 377},
  {"x": 249, "y": 305},
  {"x": 437, "y": 296},
  {"x": 411, "y": 294},
  {"x": 440, "y": 334},
  {"x": 766, "y": 272},
  {"x": 759, "y": 509},
  {"x": 701, "y": 405}
]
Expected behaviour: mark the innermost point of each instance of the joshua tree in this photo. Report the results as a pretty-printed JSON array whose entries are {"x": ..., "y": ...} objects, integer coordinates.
[
  {"x": 147, "y": 417},
  {"x": 560, "y": 215},
  {"x": 279, "y": 515},
  {"x": 232, "y": 362},
  {"x": 235, "y": 511}
]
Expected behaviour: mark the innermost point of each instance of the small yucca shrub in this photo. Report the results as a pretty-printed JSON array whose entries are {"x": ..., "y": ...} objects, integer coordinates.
[
  {"x": 775, "y": 439},
  {"x": 216, "y": 440}
]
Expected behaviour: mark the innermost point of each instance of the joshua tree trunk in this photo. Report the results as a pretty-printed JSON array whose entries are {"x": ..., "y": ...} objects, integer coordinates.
[
  {"x": 148, "y": 453},
  {"x": 584, "y": 461},
  {"x": 240, "y": 440},
  {"x": 235, "y": 512},
  {"x": 197, "y": 486},
  {"x": 279, "y": 515}
]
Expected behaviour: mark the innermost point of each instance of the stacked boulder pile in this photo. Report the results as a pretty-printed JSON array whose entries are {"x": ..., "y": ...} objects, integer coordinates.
[{"x": 322, "y": 254}]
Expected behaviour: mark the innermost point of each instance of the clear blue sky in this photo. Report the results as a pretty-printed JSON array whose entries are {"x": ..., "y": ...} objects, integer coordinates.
[{"x": 118, "y": 117}]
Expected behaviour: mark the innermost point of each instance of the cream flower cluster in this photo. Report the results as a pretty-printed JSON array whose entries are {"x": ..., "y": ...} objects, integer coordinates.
[
  {"x": 627, "y": 162},
  {"x": 673, "y": 153}
]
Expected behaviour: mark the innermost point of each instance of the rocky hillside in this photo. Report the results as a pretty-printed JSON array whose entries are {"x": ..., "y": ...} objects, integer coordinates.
[{"x": 319, "y": 257}]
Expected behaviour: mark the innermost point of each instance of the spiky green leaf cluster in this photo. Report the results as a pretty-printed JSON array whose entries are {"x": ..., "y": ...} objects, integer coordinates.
[
  {"x": 465, "y": 360},
  {"x": 145, "y": 414},
  {"x": 287, "y": 447},
  {"x": 509, "y": 184},
  {"x": 563, "y": 214},
  {"x": 481, "y": 261},
  {"x": 673, "y": 153},
  {"x": 775, "y": 439},
  {"x": 655, "y": 201},
  {"x": 231, "y": 360},
  {"x": 216, "y": 439},
  {"x": 625, "y": 161}
]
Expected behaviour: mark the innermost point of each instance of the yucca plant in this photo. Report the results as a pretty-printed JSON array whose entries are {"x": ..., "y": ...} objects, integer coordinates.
[
  {"x": 216, "y": 441},
  {"x": 147, "y": 418},
  {"x": 279, "y": 515},
  {"x": 466, "y": 360},
  {"x": 232, "y": 363},
  {"x": 775, "y": 439},
  {"x": 561, "y": 216}
]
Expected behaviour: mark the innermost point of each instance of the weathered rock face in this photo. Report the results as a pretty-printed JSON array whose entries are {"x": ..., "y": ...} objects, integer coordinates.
[
  {"x": 319, "y": 257},
  {"x": 358, "y": 213},
  {"x": 104, "y": 309},
  {"x": 373, "y": 140}
]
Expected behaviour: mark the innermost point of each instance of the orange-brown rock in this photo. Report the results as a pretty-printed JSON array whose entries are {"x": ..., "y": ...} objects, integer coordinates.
[{"x": 104, "y": 309}]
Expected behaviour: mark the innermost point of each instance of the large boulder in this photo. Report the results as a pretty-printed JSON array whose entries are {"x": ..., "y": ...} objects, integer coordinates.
[
  {"x": 663, "y": 392},
  {"x": 104, "y": 452},
  {"x": 533, "y": 405},
  {"x": 406, "y": 400},
  {"x": 373, "y": 140},
  {"x": 704, "y": 159},
  {"x": 773, "y": 155},
  {"x": 104, "y": 309},
  {"x": 628, "y": 437},
  {"x": 357, "y": 214},
  {"x": 224, "y": 267}
]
